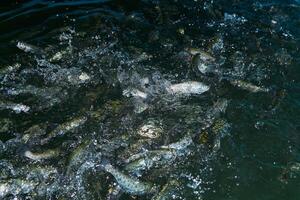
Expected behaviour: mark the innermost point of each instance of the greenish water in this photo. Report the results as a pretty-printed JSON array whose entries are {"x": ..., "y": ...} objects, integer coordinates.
[{"x": 86, "y": 83}]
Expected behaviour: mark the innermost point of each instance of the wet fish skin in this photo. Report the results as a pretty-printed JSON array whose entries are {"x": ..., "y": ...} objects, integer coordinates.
[
  {"x": 60, "y": 54},
  {"x": 129, "y": 184},
  {"x": 16, "y": 107},
  {"x": 248, "y": 86},
  {"x": 202, "y": 63},
  {"x": 33, "y": 133},
  {"x": 79, "y": 156},
  {"x": 150, "y": 159},
  {"x": 30, "y": 89},
  {"x": 203, "y": 54},
  {"x": 47, "y": 97},
  {"x": 181, "y": 145},
  {"x": 41, "y": 156},
  {"x": 167, "y": 191},
  {"x": 11, "y": 68},
  {"x": 167, "y": 154},
  {"x": 151, "y": 129},
  {"x": 28, "y": 48},
  {"x": 134, "y": 93},
  {"x": 65, "y": 128},
  {"x": 218, "y": 108},
  {"x": 189, "y": 87},
  {"x": 294, "y": 167}
]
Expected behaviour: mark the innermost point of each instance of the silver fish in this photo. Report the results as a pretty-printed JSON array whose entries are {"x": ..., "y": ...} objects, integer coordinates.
[
  {"x": 149, "y": 159},
  {"x": 151, "y": 129},
  {"x": 134, "y": 93},
  {"x": 16, "y": 107},
  {"x": 189, "y": 87},
  {"x": 181, "y": 144},
  {"x": 28, "y": 48},
  {"x": 9, "y": 69},
  {"x": 129, "y": 184},
  {"x": 248, "y": 86},
  {"x": 41, "y": 156},
  {"x": 65, "y": 128}
]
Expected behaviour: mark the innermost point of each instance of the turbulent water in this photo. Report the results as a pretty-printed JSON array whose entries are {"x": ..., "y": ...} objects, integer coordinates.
[{"x": 149, "y": 99}]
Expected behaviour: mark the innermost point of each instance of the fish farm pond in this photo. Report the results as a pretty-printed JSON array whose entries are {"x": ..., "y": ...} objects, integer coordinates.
[{"x": 150, "y": 100}]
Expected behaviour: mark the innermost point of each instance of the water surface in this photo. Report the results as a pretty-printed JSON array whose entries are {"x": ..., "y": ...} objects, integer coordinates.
[{"x": 77, "y": 60}]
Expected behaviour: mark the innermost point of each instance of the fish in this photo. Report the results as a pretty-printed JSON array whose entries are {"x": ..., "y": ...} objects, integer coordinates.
[
  {"x": 30, "y": 89},
  {"x": 59, "y": 55},
  {"x": 182, "y": 144},
  {"x": 189, "y": 87},
  {"x": 128, "y": 183},
  {"x": 202, "y": 63},
  {"x": 167, "y": 191},
  {"x": 135, "y": 93},
  {"x": 151, "y": 129},
  {"x": 213, "y": 113},
  {"x": 41, "y": 156},
  {"x": 16, "y": 107},
  {"x": 294, "y": 167},
  {"x": 150, "y": 159},
  {"x": 33, "y": 134},
  {"x": 248, "y": 86},
  {"x": 28, "y": 48},
  {"x": 47, "y": 97},
  {"x": 78, "y": 156},
  {"x": 65, "y": 128},
  {"x": 10, "y": 68},
  {"x": 205, "y": 56},
  {"x": 140, "y": 106},
  {"x": 165, "y": 155}
]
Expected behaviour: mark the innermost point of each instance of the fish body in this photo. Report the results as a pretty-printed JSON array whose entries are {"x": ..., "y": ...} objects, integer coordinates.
[
  {"x": 41, "y": 156},
  {"x": 181, "y": 144},
  {"x": 129, "y": 184},
  {"x": 218, "y": 108},
  {"x": 59, "y": 55},
  {"x": 294, "y": 167},
  {"x": 205, "y": 56},
  {"x": 9, "y": 69},
  {"x": 135, "y": 93},
  {"x": 16, "y": 107},
  {"x": 151, "y": 129},
  {"x": 189, "y": 87},
  {"x": 167, "y": 191},
  {"x": 202, "y": 63},
  {"x": 167, "y": 154},
  {"x": 65, "y": 128},
  {"x": 248, "y": 86},
  {"x": 28, "y": 48},
  {"x": 151, "y": 159},
  {"x": 30, "y": 89}
]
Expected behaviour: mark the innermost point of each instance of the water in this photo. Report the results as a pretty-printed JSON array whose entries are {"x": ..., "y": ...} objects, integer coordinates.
[{"x": 87, "y": 81}]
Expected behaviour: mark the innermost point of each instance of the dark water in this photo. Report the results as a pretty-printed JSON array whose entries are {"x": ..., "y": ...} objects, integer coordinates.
[{"x": 66, "y": 60}]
